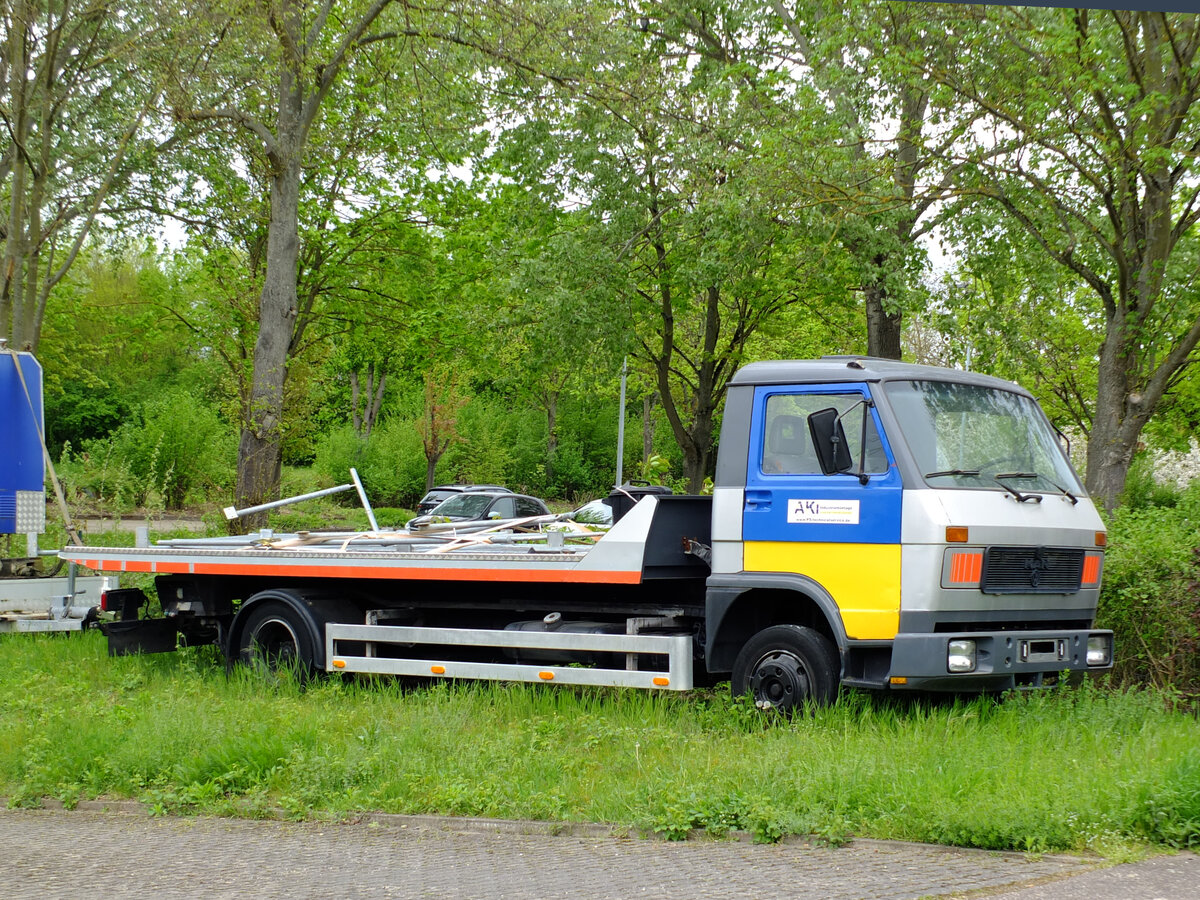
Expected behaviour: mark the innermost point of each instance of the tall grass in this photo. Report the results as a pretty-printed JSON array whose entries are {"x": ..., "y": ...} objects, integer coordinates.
[{"x": 1074, "y": 769}]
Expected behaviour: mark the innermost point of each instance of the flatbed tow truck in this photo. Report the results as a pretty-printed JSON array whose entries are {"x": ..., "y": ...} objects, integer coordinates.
[{"x": 873, "y": 524}]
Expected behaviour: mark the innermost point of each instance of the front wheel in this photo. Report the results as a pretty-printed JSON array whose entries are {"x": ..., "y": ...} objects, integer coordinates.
[{"x": 785, "y": 666}]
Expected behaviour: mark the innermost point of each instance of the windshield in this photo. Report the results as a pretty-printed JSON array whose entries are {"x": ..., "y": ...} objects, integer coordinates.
[
  {"x": 466, "y": 506},
  {"x": 968, "y": 436}
]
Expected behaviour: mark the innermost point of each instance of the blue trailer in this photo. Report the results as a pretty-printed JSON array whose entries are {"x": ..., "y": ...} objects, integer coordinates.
[
  {"x": 28, "y": 602},
  {"x": 22, "y": 466}
]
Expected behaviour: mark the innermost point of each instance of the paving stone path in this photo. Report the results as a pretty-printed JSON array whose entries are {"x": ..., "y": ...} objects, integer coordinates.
[{"x": 92, "y": 852}]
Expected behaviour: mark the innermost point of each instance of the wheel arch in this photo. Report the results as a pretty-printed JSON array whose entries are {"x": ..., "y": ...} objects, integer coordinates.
[
  {"x": 740, "y": 606},
  {"x": 312, "y": 607}
]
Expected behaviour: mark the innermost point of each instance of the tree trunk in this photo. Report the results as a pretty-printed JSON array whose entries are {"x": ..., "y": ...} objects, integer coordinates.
[
  {"x": 260, "y": 453},
  {"x": 647, "y": 427},
  {"x": 355, "y": 419},
  {"x": 550, "y": 399},
  {"x": 883, "y": 327},
  {"x": 694, "y": 439},
  {"x": 374, "y": 405},
  {"x": 365, "y": 405}
]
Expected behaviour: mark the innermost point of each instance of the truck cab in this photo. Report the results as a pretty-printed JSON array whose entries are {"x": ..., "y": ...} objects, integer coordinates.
[{"x": 895, "y": 526}]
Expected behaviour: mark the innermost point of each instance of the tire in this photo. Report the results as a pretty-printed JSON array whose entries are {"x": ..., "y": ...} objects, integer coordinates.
[
  {"x": 786, "y": 666},
  {"x": 276, "y": 637}
]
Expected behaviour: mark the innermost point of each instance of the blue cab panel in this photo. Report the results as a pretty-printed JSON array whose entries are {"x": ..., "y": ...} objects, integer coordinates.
[
  {"x": 22, "y": 467},
  {"x": 787, "y": 496}
]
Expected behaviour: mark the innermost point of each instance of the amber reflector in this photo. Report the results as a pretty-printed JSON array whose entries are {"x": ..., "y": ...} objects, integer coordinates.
[
  {"x": 339, "y": 664},
  {"x": 1101, "y": 539},
  {"x": 662, "y": 682},
  {"x": 956, "y": 534},
  {"x": 438, "y": 670},
  {"x": 546, "y": 676},
  {"x": 898, "y": 679}
]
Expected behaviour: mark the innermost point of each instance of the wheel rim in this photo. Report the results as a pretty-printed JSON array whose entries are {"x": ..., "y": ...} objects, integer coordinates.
[
  {"x": 780, "y": 681},
  {"x": 275, "y": 642}
]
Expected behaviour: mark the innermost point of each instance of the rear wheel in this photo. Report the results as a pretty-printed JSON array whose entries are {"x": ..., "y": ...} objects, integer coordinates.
[
  {"x": 785, "y": 666},
  {"x": 275, "y": 637}
]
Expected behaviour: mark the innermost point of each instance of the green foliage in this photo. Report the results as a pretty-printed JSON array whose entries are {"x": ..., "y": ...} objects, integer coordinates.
[
  {"x": 81, "y": 413},
  {"x": 1143, "y": 489},
  {"x": 1170, "y": 808},
  {"x": 174, "y": 451},
  {"x": 391, "y": 464},
  {"x": 1151, "y": 592},
  {"x": 655, "y": 469}
]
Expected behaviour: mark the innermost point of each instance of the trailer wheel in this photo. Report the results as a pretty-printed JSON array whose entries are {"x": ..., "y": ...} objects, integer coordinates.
[
  {"x": 275, "y": 637},
  {"x": 785, "y": 666}
]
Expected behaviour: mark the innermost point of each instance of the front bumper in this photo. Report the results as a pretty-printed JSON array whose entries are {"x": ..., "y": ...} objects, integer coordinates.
[{"x": 1003, "y": 659}]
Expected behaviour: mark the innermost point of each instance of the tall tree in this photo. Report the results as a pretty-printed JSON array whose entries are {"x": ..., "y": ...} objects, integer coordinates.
[
  {"x": 1091, "y": 150},
  {"x": 308, "y": 53},
  {"x": 78, "y": 82},
  {"x": 661, "y": 149},
  {"x": 885, "y": 170}
]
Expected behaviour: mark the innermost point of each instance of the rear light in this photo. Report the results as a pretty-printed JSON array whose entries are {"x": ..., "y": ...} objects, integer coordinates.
[
  {"x": 104, "y": 601},
  {"x": 964, "y": 568},
  {"x": 1091, "y": 570}
]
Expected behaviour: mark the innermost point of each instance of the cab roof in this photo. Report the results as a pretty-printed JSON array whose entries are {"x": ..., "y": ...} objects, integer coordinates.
[{"x": 838, "y": 369}]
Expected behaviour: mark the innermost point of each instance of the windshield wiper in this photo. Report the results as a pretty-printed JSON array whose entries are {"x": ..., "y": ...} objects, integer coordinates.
[
  {"x": 1062, "y": 490},
  {"x": 949, "y": 472},
  {"x": 1021, "y": 498}
]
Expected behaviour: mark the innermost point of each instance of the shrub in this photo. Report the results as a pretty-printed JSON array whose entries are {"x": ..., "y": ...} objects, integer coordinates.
[
  {"x": 1151, "y": 593},
  {"x": 483, "y": 454},
  {"x": 390, "y": 464},
  {"x": 175, "y": 450}
]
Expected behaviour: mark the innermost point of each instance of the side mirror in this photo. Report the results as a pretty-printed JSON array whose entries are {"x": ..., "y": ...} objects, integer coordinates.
[{"x": 829, "y": 439}]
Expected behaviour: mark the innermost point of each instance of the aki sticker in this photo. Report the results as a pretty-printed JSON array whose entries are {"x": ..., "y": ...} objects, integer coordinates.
[{"x": 822, "y": 512}]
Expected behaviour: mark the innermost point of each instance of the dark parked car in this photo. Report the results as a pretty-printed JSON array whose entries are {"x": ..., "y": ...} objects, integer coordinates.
[
  {"x": 480, "y": 506},
  {"x": 446, "y": 491}
]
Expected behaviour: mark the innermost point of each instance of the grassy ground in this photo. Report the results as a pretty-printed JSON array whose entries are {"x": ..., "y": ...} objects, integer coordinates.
[{"x": 1070, "y": 770}]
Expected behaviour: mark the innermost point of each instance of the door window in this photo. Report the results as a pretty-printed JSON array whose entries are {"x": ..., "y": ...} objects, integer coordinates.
[{"x": 787, "y": 443}]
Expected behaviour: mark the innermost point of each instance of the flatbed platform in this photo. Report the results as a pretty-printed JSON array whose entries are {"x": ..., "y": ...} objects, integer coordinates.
[{"x": 544, "y": 549}]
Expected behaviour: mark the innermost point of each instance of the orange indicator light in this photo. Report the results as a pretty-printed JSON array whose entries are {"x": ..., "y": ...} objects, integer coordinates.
[
  {"x": 1101, "y": 539},
  {"x": 1091, "y": 570},
  {"x": 966, "y": 567},
  {"x": 956, "y": 534}
]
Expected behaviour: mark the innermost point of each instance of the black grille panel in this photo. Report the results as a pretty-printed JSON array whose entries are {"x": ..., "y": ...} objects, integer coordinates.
[
  {"x": 1031, "y": 570},
  {"x": 1018, "y": 625}
]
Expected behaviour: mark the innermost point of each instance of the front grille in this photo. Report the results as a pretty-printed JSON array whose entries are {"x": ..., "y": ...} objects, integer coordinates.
[{"x": 1031, "y": 570}]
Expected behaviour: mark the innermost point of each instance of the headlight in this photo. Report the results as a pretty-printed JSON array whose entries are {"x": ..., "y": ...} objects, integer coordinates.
[
  {"x": 960, "y": 655},
  {"x": 1099, "y": 650}
]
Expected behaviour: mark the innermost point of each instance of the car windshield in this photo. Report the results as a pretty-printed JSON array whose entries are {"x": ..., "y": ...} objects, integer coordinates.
[
  {"x": 466, "y": 506},
  {"x": 970, "y": 436}
]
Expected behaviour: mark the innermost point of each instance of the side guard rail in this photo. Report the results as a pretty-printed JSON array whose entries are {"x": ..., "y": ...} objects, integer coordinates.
[{"x": 370, "y": 640}]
